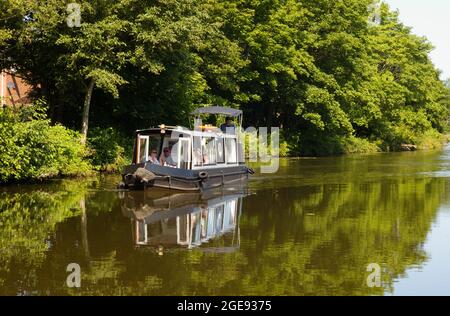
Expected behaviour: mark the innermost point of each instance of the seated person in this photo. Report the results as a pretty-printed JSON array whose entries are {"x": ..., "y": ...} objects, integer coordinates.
[
  {"x": 205, "y": 159},
  {"x": 228, "y": 126},
  {"x": 166, "y": 158},
  {"x": 152, "y": 158},
  {"x": 197, "y": 157}
]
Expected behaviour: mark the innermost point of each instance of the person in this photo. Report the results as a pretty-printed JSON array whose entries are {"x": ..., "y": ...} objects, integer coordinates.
[
  {"x": 197, "y": 157},
  {"x": 205, "y": 158},
  {"x": 166, "y": 158},
  {"x": 228, "y": 126},
  {"x": 152, "y": 158}
]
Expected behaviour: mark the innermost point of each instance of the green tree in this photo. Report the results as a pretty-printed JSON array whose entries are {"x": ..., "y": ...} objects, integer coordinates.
[{"x": 327, "y": 72}]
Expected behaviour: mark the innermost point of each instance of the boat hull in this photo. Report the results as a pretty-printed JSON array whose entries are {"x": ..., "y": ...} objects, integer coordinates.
[{"x": 184, "y": 179}]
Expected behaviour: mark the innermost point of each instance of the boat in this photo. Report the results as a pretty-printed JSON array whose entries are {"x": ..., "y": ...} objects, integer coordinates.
[{"x": 178, "y": 158}]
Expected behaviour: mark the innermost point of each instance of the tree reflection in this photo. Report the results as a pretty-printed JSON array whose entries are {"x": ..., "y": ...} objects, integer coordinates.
[{"x": 314, "y": 239}]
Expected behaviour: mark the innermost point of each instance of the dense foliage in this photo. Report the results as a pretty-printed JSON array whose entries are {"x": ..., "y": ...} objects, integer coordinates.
[
  {"x": 32, "y": 149},
  {"x": 331, "y": 74},
  {"x": 109, "y": 150}
]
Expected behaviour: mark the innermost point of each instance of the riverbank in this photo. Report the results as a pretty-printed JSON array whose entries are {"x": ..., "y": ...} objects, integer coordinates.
[
  {"x": 345, "y": 145},
  {"x": 336, "y": 85},
  {"x": 32, "y": 149}
]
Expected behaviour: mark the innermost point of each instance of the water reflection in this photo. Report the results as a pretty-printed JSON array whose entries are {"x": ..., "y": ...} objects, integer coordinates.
[
  {"x": 185, "y": 219},
  {"x": 311, "y": 229}
]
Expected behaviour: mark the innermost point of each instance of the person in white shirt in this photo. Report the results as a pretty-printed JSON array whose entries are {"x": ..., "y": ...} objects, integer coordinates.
[{"x": 166, "y": 158}]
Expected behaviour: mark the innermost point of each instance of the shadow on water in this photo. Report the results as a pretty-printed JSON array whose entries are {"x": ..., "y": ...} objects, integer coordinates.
[{"x": 310, "y": 229}]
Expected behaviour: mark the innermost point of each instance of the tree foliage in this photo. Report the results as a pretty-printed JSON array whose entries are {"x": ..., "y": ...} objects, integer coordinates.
[{"x": 324, "y": 71}]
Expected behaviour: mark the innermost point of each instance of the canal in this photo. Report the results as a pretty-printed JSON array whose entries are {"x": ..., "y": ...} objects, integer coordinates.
[{"x": 313, "y": 228}]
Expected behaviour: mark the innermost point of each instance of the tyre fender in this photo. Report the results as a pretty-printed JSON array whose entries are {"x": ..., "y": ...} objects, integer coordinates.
[{"x": 203, "y": 175}]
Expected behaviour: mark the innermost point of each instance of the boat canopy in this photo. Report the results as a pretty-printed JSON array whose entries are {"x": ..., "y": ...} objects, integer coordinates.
[{"x": 217, "y": 110}]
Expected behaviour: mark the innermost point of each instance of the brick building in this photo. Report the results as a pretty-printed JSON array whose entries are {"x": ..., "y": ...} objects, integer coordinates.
[{"x": 14, "y": 91}]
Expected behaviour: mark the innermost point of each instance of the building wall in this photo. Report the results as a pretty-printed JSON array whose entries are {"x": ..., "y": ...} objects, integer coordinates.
[{"x": 13, "y": 89}]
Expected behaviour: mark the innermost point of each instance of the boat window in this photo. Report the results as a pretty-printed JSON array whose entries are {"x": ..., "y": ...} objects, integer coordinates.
[
  {"x": 209, "y": 151},
  {"x": 197, "y": 151},
  {"x": 142, "y": 149},
  {"x": 154, "y": 142},
  {"x": 230, "y": 150},
  {"x": 146, "y": 145},
  {"x": 220, "y": 150},
  {"x": 210, "y": 226},
  {"x": 229, "y": 218},
  {"x": 183, "y": 153},
  {"x": 183, "y": 229},
  {"x": 141, "y": 233},
  {"x": 196, "y": 228},
  {"x": 219, "y": 219},
  {"x": 204, "y": 224}
]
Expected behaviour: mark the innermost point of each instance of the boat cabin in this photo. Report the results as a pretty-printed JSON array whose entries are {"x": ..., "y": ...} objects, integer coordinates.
[
  {"x": 203, "y": 154},
  {"x": 188, "y": 149},
  {"x": 206, "y": 146}
]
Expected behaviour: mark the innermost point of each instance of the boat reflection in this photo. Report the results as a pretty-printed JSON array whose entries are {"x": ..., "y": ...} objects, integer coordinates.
[{"x": 207, "y": 221}]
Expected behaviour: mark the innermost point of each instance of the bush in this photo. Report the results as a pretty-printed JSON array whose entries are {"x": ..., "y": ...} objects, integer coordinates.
[
  {"x": 284, "y": 149},
  {"x": 327, "y": 145},
  {"x": 355, "y": 145},
  {"x": 32, "y": 149},
  {"x": 431, "y": 139},
  {"x": 109, "y": 149},
  {"x": 317, "y": 145},
  {"x": 251, "y": 140}
]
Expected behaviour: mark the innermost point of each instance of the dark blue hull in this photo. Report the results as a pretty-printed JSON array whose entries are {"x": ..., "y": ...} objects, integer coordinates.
[{"x": 184, "y": 179}]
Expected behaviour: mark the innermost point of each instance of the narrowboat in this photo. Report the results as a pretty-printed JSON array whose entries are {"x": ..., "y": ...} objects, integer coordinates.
[{"x": 175, "y": 157}]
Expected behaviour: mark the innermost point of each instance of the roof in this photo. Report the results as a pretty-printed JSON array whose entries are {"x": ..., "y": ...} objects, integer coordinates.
[{"x": 217, "y": 110}]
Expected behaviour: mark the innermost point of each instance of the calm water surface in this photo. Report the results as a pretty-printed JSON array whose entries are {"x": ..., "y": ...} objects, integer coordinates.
[{"x": 310, "y": 229}]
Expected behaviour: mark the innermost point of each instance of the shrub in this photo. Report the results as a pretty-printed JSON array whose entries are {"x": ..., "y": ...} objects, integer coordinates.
[
  {"x": 355, "y": 145},
  {"x": 328, "y": 145},
  {"x": 431, "y": 139},
  {"x": 251, "y": 140},
  {"x": 109, "y": 149},
  {"x": 32, "y": 149},
  {"x": 318, "y": 145},
  {"x": 284, "y": 149}
]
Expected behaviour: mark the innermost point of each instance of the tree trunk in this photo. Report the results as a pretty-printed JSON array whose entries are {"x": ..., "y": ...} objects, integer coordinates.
[
  {"x": 87, "y": 104},
  {"x": 84, "y": 234}
]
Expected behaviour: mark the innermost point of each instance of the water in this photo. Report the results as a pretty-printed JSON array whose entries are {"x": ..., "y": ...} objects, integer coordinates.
[{"x": 310, "y": 229}]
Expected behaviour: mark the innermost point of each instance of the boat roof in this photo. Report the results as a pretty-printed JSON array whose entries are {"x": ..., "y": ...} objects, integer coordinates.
[
  {"x": 217, "y": 110},
  {"x": 163, "y": 126},
  {"x": 181, "y": 129}
]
